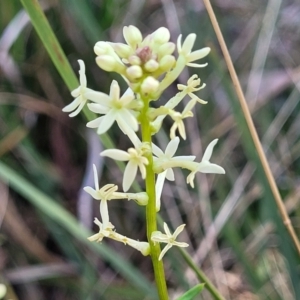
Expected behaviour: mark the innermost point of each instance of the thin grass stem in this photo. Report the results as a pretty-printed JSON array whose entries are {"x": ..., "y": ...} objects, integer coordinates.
[{"x": 266, "y": 167}]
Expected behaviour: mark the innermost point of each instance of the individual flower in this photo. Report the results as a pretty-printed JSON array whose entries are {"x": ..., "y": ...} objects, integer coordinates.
[
  {"x": 193, "y": 85},
  {"x": 114, "y": 109},
  {"x": 205, "y": 166},
  {"x": 170, "y": 239},
  {"x": 179, "y": 117},
  {"x": 104, "y": 194},
  {"x": 109, "y": 232},
  {"x": 185, "y": 50},
  {"x": 80, "y": 93},
  {"x": 135, "y": 159},
  {"x": 167, "y": 156},
  {"x": 104, "y": 231}
]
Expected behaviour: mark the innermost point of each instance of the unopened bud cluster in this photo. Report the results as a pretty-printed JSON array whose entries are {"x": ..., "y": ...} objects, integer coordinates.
[{"x": 149, "y": 66}]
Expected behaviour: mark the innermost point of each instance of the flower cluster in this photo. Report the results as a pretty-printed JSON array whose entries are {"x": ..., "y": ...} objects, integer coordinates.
[{"x": 149, "y": 66}]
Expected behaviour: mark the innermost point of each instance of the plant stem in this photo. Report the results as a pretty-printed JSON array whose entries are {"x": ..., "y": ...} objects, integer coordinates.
[
  {"x": 201, "y": 276},
  {"x": 158, "y": 266}
]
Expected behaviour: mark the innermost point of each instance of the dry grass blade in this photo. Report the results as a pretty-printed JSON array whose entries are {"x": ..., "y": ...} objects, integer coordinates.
[{"x": 284, "y": 215}]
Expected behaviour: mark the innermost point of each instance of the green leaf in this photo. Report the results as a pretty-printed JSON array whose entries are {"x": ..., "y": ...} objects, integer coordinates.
[{"x": 193, "y": 292}]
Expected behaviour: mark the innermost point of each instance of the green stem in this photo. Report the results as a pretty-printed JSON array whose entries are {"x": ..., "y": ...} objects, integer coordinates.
[
  {"x": 201, "y": 276},
  {"x": 158, "y": 266}
]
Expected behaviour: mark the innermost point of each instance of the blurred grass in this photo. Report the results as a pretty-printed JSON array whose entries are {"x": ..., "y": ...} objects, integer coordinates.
[{"x": 233, "y": 227}]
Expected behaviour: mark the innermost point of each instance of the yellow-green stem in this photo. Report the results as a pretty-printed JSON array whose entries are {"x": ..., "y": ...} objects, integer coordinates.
[{"x": 158, "y": 266}]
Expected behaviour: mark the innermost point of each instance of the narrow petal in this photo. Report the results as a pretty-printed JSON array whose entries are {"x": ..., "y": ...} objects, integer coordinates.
[
  {"x": 178, "y": 230},
  {"x": 167, "y": 230},
  {"x": 116, "y": 154},
  {"x": 75, "y": 93},
  {"x": 129, "y": 118},
  {"x": 209, "y": 150},
  {"x": 159, "y": 237},
  {"x": 188, "y": 44},
  {"x": 129, "y": 175},
  {"x": 163, "y": 252},
  {"x": 172, "y": 147},
  {"x": 170, "y": 175},
  {"x": 114, "y": 92},
  {"x": 157, "y": 151},
  {"x": 98, "y": 97},
  {"x": 78, "y": 110},
  {"x": 180, "y": 244},
  {"x": 104, "y": 213},
  {"x": 82, "y": 77},
  {"x": 184, "y": 157},
  {"x": 196, "y": 65},
  {"x": 95, "y": 123},
  {"x": 207, "y": 167},
  {"x": 159, "y": 187},
  {"x": 198, "y": 54},
  {"x": 107, "y": 122},
  {"x": 92, "y": 192},
  {"x": 98, "y": 108},
  {"x": 72, "y": 105}
]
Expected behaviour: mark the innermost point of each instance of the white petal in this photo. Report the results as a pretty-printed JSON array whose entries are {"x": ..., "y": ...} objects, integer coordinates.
[
  {"x": 104, "y": 213},
  {"x": 75, "y": 93},
  {"x": 178, "y": 230},
  {"x": 82, "y": 77},
  {"x": 72, "y": 105},
  {"x": 159, "y": 237},
  {"x": 157, "y": 151},
  {"x": 95, "y": 123},
  {"x": 209, "y": 150},
  {"x": 184, "y": 157},
  {"x": 129, "y": 175},
  {"x": 172, "y": 147},
  {"x": 77, "y": 111},
  {"x": 98, "y": 108},
  {"x": 164, "y": 251},
  {"x": 114, "y": 92},
  {"x": 196, "y": 65},
  {"x": 116, "y": 154},
  {"x": 167, "y": 230},
  {"x": 92, "y": 192},
  {"x": 158, "y": 188},
  {"x": 170, "y": 175},
  {"x": 128, "y": 118},
  {"x": 207, "y": 167},
  {"x": 98, "y": 97},
  {"x": 188, "y": 43},
  {"x": 198, "y": 54},
  {"x": 107, "y": 122}
]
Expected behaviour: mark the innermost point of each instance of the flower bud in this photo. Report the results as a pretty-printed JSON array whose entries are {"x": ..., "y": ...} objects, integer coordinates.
[
  {"x": 122, "y": 50},
  {"x": 161, "y": 35},
  {"x": 132, "y": 35},
  {"x": 134, "y": 60},
  {"x": 102, "y": 48},
  {"x": 134, "y": 72},
  {"x": 165, "y": 49},
  {"x": 151, "y": 65},
  {"x": 149, "y": 85},
  {"x": 167, "y": 63}
]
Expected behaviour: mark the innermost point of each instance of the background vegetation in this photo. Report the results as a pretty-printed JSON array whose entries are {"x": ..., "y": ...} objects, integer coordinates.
[{"x": 233, "y": 226}]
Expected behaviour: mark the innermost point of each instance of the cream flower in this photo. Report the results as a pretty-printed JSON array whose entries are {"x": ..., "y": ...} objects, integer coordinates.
[
  {"x": 115, "y": 109},
  {"x": 170, "y": 239},
  {"x": 81, "y": 93},
  {"x": 166, "y": 156},
  {"x": 104, "y": 231},
  {"x": 103, "y": 194},
  {"x": 178, "y": 119},
  {"x": 185, "y": 50},
  {"x": 109, "y": 232},
  {"x": 193, "y": 85},
  {"x": 205, "y": 166},
  {"x": 135, "y": 159}
]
